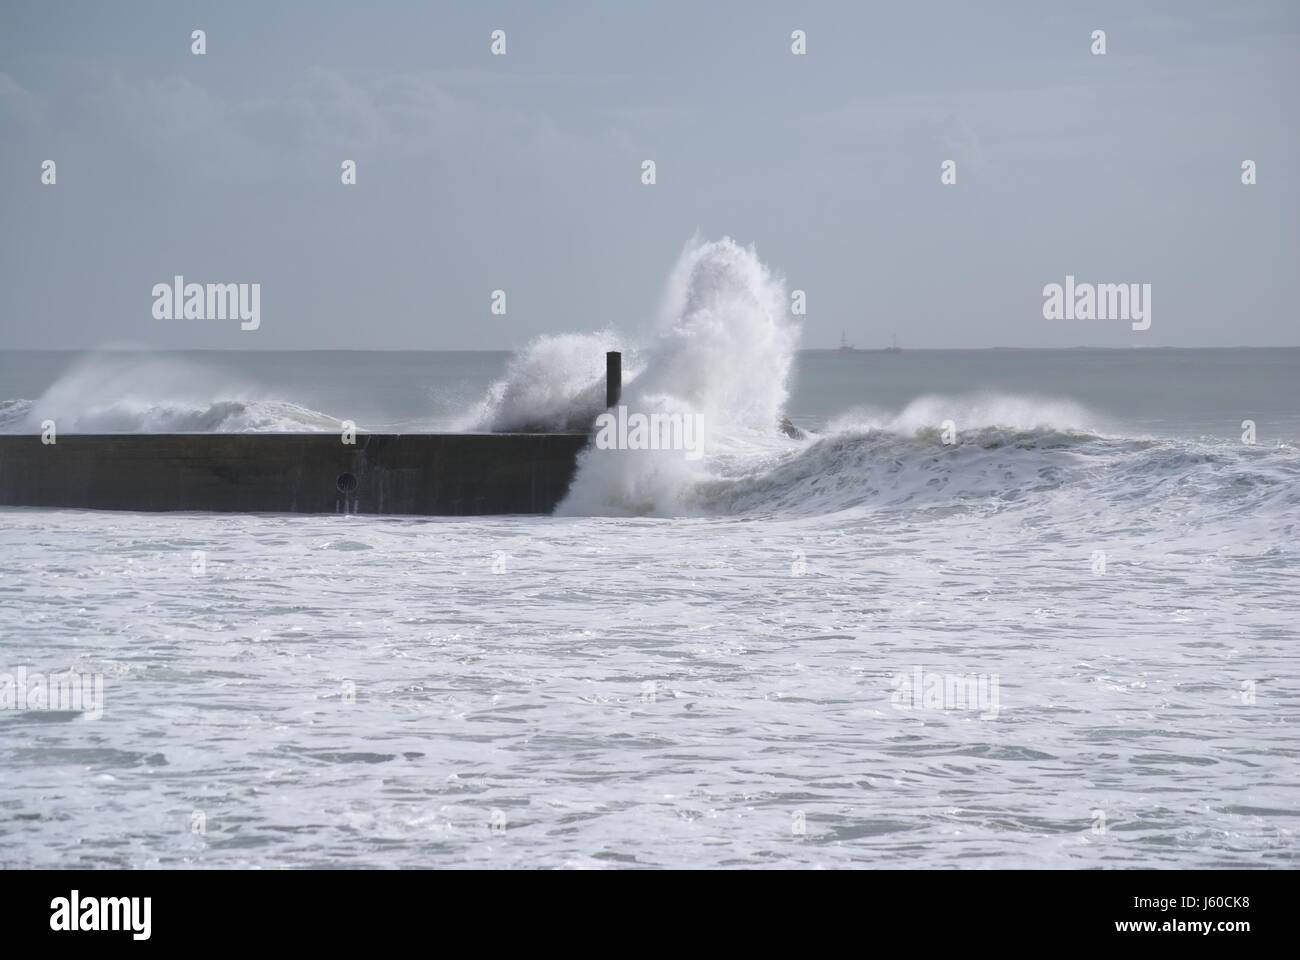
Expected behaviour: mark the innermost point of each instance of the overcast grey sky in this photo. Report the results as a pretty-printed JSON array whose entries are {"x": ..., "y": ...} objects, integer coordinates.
[{"x": 523, "y": 172}]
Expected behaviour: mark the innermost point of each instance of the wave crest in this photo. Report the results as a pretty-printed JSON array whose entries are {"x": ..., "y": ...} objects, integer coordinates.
[{"x": 130, "y": 394}]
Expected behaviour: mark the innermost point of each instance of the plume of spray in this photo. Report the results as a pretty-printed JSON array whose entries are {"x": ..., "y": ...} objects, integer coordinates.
[
  {"x": 721, "y": 351},
  {"x": 554, "y": 385}
]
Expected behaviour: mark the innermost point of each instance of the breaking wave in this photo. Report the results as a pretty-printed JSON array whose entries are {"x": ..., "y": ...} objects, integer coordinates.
[
  {"x": 104, "y": 393},
  {"x": 722, "y": 349},
  {"x": 1000, "y": 468}
]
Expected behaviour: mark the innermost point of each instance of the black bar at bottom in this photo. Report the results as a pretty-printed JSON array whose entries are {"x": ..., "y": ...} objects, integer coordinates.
[{"x": 977, "y": 910}]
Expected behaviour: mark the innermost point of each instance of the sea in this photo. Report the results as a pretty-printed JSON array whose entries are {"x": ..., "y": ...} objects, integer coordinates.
[{"x": 986, "y": 609}]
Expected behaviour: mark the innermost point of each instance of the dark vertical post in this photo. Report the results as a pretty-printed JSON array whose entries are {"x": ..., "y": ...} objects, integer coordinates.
[{"x": 613, "y": 378}]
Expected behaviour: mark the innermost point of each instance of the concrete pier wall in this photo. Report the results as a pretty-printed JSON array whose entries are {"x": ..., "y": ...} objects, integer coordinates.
[{"x": 435, "y": 474}]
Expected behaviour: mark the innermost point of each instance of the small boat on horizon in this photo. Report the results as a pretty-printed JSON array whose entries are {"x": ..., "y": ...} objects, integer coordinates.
[{"x": 846, "y": 347}]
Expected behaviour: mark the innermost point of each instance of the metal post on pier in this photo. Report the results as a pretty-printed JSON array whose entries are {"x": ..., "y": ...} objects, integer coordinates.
[{"x": 613, "y": 378}]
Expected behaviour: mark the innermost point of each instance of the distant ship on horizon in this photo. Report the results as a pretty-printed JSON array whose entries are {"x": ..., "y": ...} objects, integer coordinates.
[{"x": 846, "y": 347}]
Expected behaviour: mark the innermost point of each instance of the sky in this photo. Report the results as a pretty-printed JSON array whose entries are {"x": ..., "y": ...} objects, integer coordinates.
[{"x": 523, "y": 172}]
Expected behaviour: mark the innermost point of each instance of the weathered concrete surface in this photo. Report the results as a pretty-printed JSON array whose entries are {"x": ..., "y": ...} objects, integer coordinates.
[{"x": 439, "y": 474}]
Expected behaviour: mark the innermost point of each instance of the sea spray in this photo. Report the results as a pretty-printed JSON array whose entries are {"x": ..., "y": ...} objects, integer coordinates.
[
  {"x": 127, "y": 393},
  {"x": 722, "y": 352},
  {"x": 972, "y": 412},
  {"x": 555, "y": 384},
  {"x": 726, "y": 341}
]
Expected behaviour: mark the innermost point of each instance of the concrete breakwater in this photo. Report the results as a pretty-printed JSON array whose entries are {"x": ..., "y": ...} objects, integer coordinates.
[{"x": 438, "y": 474}]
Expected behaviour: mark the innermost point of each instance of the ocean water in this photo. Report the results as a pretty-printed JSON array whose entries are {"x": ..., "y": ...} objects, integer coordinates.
[{"x": 755, "y": 659}]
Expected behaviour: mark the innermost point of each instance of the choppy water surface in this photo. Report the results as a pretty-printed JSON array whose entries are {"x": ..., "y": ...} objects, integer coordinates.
[{"x": 680, "y": 692}]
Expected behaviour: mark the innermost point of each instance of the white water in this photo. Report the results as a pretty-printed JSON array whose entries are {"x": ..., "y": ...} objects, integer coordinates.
[
  {"x": 109, "y": 393},
  {"x": 721, "y": 350}
]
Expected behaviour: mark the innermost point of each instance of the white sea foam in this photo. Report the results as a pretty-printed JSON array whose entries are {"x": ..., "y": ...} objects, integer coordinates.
[{"x": 672, "y": 692}]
